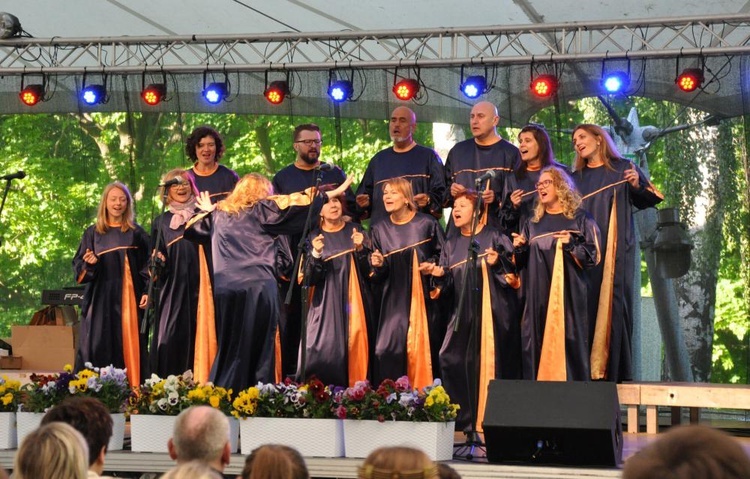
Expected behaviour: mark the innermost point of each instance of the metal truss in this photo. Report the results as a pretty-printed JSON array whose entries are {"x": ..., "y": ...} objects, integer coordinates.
[{"x": 425, "y": 48}]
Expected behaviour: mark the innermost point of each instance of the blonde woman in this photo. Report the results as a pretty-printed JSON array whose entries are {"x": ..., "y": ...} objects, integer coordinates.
[
  {"x": 241, "y": 231},
  {"x": 111, "y": 262},
  {"x": 54, "y": 451},
  {"x": 557, "y": 244}
]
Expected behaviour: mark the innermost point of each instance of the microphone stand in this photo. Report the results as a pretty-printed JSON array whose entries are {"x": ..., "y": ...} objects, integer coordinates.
[
  {"x": 2, "y": 205},
  {"x": 473, "y": 440},
  {"x": 305, "y": 284}
]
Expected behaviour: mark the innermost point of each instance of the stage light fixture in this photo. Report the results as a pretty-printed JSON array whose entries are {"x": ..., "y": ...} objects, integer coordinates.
[
  {"x": 154, "y": 93},
  {"x": 340, "y": 90},
  {"x": 406, "y": 89},
  {"x": 9, "y": 26},
  {"x": 616, "y": 82},
  {"x": 690, "y": 79},
  {"x": 544, "y": 86},
  {"x": 276, "y": 91},
  {"x": 474, "y": 86},
  {"x": 32, "y": 94},
  {"x": 94, "y": 94},
  {"x": 215, "y": 92}
]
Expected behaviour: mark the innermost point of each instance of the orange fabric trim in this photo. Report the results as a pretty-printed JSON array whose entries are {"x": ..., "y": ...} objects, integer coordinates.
[
  {"x": 604, "y": 188},
  {"x": 196, "y": 218},
  {"x": 485, "y": 208},
  {"x": 277, "y": 355},
  {"x": 481, "y": 170},
  {"x": 385, "y": 255},
  {"x": 115, "y": 249},
  {"x": 130, "y": 342},
  {"x": 357, "y": 341},
  {"x": 487, "y": 346},
  {"x": 302, "y": 198},
  {"x": 603, "y": 329},
  {"x": 513, "y": 280},
  {"x": 406, "y": 177},
  {"x": 206, "y": 344},
  {"x": 418, "y": 359},
  {"x": 552, "y": 363},
  {"x": 174, "y": 241},
  {"x": 82, "y": 275}
]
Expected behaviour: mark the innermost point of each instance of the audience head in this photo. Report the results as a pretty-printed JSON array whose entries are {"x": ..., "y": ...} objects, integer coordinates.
[
  {"x": 689, "y": 452},
  {"x": 201, "y": 433},
  {"x": 251, "y": 188},
  {"x": 274, "y": 461},
  {"x": 204, "y": 138},
  {"x": 89, "y": 417},
  {"x": 192, "y": 470},
  {"x": 447, "y": 472},
  {"x": 592, "y": 142},
  {"x": 115, "y": 207},
  {"x": 54, "y": 451},
  {"x": 397, "y": 462}
]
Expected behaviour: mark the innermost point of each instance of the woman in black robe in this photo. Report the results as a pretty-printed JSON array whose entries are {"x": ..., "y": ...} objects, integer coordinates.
[
  {"x": 337, "y": 345},
  {"x": 112, "y": 262},
  {"x": 464, "y": 363},
  {"x": 612, "y": 188},
  {"x": 405, "y": 244},
  {"x": 242, "y": 231},
  {"x": 557, "y": 244}
]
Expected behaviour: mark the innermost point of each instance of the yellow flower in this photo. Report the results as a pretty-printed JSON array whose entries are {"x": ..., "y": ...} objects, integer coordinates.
[
  {"x": 7, "y": 399},
  {"x": 68, "y": 368},
  {"x": 214, "y": 401}
]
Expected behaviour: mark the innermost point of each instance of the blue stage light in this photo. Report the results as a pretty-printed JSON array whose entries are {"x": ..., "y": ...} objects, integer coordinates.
[
  {"x": 616, "y": 82},
  {"x": 474, "y": 86},
  {"x": 215, "y": 92},
  {"x": 340, "y": 91},
  {"x": 93, "y": 94}
]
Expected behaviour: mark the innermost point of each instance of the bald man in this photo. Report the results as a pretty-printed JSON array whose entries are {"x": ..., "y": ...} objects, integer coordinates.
[
  {"x": 405, "y": 159},
  {"x": 201, "y": 433},
  {"x": 472, "y": 158}
]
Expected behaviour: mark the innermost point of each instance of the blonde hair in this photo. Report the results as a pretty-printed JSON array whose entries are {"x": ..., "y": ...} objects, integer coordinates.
[
  {"x": 402, "y": 186},
  {"x": 54, "y": 451},
  {"x": 275, "y": 461},
  {"x": 191, "y": 470},
  {"x": 171, "y": 174},
  {"x": 607, "y": 149},
  {"x": 102, "y": 217},
  {"x": 249, "y": 190},
  {"x": 567, "y": 194},
  {"x": 397, "y": 463}
]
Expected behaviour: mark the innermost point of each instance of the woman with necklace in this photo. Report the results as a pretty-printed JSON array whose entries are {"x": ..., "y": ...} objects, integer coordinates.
[
  {"x": 557, "y": 244},
  {"x": 406, "y": 244}
]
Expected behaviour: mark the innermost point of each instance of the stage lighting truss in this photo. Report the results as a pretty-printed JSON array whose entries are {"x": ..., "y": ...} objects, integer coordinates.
[
  {"x": 474, "y": 86},
  {"x": 690, "y": 79},
  {"x": 407, "y": 88},
  {"x": 615, "y": 81},
  {"x": 154, "y": 93},
  {"x": 216, "y": 92},
  {"x": 276, "y": 91},
  {"x": 96, "y": 93},
  {"x": 32, "y": 94},
  {"x": 543, "y": 85},
  {"x": 10, "y": 26},
  {"x": 340, "y": 90}
]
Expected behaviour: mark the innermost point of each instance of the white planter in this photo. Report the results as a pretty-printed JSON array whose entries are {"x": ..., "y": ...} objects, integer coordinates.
[
  {"x": 118, "y": 432},
  {"x": 27, "y": 422},
  {"x": 311, "y": 437},
  {"x": 8, "y": 435},
  {"x": 234, "y": 434},
  {"x": 150, "y": 433},
  {"x": 434, "y": 438}
]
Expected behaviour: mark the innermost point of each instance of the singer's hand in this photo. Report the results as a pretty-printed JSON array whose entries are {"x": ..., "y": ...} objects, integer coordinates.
[
  {"x": 357, "y": 238},
  {"x": 341, "y": 188},
  {"x": 488, "y": 196},
  {"x": 376, "y": 259},
  {"x": 89, "y": 257},
  {"x": 204, "y": 202},
  {"x": 422, "y": 199},
  {"x": 426, "y": 267},
  {"x": 492, "y": 256},
  {"x": 317, "y": 243},
  {"x": 563, "y": 237},
  {"x": 631, "y": 176},
  {"x": 518, "y": 240},
  {"x": 363, "y": 200},
  {"x": 438, "y": 271},
  {"x": 457, "y": 189},
  {"x": 143, "y": 304},
  {"x": 515, "y": 198}
]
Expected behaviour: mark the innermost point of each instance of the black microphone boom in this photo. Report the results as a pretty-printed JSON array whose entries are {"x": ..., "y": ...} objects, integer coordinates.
[
  {"x": 324, "y": 167},
  {"x": 177, "y": 180},
  {"x": 18, "y": 175},
  {"x": 488, "y": 175}
]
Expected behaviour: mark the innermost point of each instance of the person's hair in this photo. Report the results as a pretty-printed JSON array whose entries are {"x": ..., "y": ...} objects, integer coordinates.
[
  {"x": 275, "y": 461},
  {"x": 171, "y": 174},
  {"x": 447, "y": 472},
  {"x": 469, "y": 194},
  {"x": 607, "y": 148},
  {"x": 546, "y": 157},
  {"x": 102, "y": 217},
  {"x": 397, "y": 462},
  {"x": 304, "y": 127},
  {"x": 341, "y": 198},
  {"x": 197, "y": 135},
  {"x": 200, "y": 434},
  {"x": 689, "y": 452},
  {"x": 567, "y": 194},
  {"x": 192, "y": 470},
  {"x": 53, "y": 451},
  {"x": 403, "y": 186},
  {"x": 251, "y": 188},
  {"x": 89, "y": 416}
]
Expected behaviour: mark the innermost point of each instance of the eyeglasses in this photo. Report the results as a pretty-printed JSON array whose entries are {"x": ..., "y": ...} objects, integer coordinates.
[
  {"x": 310, "y": 142},
  {"x": 543, "y": 184}
]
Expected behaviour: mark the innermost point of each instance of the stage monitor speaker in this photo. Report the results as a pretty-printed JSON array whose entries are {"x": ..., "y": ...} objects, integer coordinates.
[{"x": 552, "y": 422}]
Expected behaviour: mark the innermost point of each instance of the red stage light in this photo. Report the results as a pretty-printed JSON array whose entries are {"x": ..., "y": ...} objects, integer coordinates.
[
  {"x": 544, "y": 86},
  {"x": 154, "y": 93},
  {"x": 276, "y": 92},
  {"x": 32, "y": 94},
  {"x": 406, "y": 89},
  {"x": 690, "y": 79}
]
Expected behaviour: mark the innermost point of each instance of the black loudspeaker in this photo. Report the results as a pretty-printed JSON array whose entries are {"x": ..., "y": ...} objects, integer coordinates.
[{"x": 550, "y": 422}]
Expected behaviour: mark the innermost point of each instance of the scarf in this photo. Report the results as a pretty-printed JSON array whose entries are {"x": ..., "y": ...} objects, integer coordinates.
[{"x": 181, "y": 212}]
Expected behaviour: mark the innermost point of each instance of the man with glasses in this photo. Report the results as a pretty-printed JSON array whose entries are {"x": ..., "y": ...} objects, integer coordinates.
[
  {"x": 297, "y": 177},
  {"x": 420, "y": 165}
]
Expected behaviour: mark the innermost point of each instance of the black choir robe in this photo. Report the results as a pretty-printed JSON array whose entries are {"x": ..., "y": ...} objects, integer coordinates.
[
  {"x": 611, "y": 201},
  {"x": 110, "y": 317},
  {"x": 246, "y": 303},
  {"x": 409, "y": 330},
  {"x": 337, "y": 319},
  {"x": 218, "y": 184},
  {"x": 513, "y": 219},
  {"x": 498, "y": 323},
  {"x": 555, "y": 322}
]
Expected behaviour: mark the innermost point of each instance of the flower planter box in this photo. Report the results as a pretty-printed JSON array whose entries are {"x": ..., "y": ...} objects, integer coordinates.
[
  {"x": 27, "y": 422},
  {"x": 150, "y": 433},
  {"x": 118, "y": 432},
  {"x": 434, "y": 438},
  {"x": 8, "y": 435},
  {"x": 311, "y": 437}
]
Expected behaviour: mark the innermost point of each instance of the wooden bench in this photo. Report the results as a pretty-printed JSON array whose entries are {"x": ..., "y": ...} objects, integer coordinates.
[{"x": 678, "y": 395}]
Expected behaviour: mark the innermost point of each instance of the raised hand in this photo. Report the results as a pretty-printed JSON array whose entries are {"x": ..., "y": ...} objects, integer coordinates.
[
  {"x": 422, "y": 200},
  {"x": 89, "y": 257},
  {"x": 204, "y": 202},
  {"x": 376, "y": 259},
  {"x": 518, "y": 240},
  {"x": 317, "y": 243},
  {"x": 515, "y": 198},
  {"x": 357, "y": 238},
  {"x": 492, "y": 256},
  {"x": 631, "y": 176},
  {"x": 363, "y": 200}
]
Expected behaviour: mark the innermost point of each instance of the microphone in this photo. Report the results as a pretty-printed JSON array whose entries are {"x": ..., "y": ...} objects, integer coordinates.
[
  {"x": 488, "y": 175},
  {"x": 324, "y": 167},
  {"x": 177, "y": 180},
  {"x": 19, "y": 175}
]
